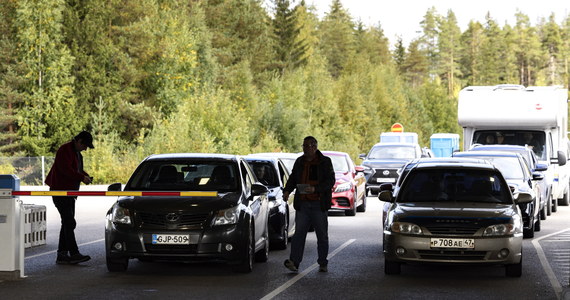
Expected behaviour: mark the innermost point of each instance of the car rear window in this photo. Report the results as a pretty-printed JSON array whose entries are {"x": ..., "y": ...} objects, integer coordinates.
[
  {"x": 184, "y": 176},
  {"x": 454, "y": 185}
]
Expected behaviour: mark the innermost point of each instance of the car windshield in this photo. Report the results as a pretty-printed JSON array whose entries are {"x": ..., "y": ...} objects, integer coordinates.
[
  {"x": 454, "y": 185},
  {"x": 184, "y": 176},
  {"x": 265, "y": 173},
  {"x": 339, "y": 163},
  {"x": 392, "y": 152},
  {"x": 510, "y": 167}
]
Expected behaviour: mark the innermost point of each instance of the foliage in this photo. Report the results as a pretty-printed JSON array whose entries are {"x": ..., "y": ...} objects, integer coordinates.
[{"x": 243, "y": 76}]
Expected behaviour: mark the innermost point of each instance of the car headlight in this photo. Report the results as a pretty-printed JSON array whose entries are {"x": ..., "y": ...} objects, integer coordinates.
[
  {"x": 407, "y": 228},
  {"x": 499, "y": 229},
  {"x": 227, "y": 216},
  {"x": 343, "y": 187},
  {"x": 121, "y": 215}
]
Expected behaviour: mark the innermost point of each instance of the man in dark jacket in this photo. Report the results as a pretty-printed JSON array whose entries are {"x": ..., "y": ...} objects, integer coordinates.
[
  {"x": 67, "y": 174},
  {"x": 313, "y": 178}
]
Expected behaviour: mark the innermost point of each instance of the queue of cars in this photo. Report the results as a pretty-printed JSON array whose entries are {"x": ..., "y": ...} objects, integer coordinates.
[
  {"x": 214, "y": 207},
  {"x": 472, "y": 208}
]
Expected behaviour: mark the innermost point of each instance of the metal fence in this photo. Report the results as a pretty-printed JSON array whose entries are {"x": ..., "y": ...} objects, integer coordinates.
[{"x": 30, "y": 170}]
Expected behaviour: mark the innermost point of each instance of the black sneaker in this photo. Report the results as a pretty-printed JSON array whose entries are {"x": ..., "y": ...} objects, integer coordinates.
[
  {"x": 62, "y": 259},
  {"x": 78, "y": 257},
  {"x": 289, "y": 264}
]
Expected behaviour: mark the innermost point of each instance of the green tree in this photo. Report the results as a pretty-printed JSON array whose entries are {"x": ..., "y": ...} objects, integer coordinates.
[
  {"x": 289, "y": 49},
  {"x": 527, "y": 50},
  {"x": 337, "y": 38},
  {"x": 50, "y": 117},
  {"x": 415, "y": 66},
  {"x": 471, "y": 43},
  {"x": 449, "y": 49},
  {"x": 371, "y": 44},
  {"x": 428, "y": 43},
  {"x": 552, "y": 45}
]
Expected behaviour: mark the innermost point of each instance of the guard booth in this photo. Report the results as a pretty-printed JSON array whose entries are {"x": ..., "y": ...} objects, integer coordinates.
[
  {"x": 444, "y": 144},
  {"x": 11, "y": 224}
]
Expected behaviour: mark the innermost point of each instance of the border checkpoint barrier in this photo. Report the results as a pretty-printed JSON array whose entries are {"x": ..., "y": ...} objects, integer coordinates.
[{"x": 24, "y": 225}]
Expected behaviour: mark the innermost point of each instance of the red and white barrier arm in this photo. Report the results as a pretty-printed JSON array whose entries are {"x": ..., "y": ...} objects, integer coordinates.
[{"x": 114, "y": 193}]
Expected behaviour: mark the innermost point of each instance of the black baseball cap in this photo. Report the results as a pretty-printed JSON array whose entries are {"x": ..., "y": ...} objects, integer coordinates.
[{"x": 86, "y": 138}]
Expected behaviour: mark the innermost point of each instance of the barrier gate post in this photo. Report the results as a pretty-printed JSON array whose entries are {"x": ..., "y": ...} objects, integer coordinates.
[{"x": 11, "y": 230}]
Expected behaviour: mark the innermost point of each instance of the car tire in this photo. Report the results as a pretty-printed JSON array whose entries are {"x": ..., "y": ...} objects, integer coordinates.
[
  {"x": 528, "y": 233},
  {"x": 282, "y": 243},
  {"x": 350, "y": 212},
  {"x": 543, "y": 213},
  {"x": 555, "y": 205},
  {"x": 117, "y": 264},
  {"x": 362, "y": 207},
  {"x": 564, "y": 200},
  {"x": 514, "y": 270},
  {"x": 537, "y": 224},
  {"x": 549, "y": 206},
  {"x": 263, "y": 254},
  {"x": 246, "y": 264},
  {"x": 391, "y": 267}
]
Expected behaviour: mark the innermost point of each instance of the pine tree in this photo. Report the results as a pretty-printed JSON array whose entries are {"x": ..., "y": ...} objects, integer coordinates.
[
  {"x": 415, "y": 67},
  {"x": 337, "y": 38},
  {"x": 471, "y": 43},
  {"x": 527, "y": 50},
  {"x": 429, "y": 40},
  {"x": 289, "y": 49},
  {"x": 449, "y": 51},
  {"x": 552, "y": 45}
]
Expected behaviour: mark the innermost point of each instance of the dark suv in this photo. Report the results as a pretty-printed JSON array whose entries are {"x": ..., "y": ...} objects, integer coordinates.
[
  {"x": 384, "y": 160},
  {"x": 190, "y": 207}
]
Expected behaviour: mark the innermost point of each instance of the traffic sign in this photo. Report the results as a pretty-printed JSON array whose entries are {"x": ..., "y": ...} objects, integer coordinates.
[{"x": 397, "y": 127}]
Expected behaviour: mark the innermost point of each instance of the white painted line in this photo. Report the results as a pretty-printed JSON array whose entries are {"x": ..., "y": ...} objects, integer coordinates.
[
  {"x": 291, "y": 281},
  {"x": 546, "y": 266},
  {"x": 55, "y": 251}
]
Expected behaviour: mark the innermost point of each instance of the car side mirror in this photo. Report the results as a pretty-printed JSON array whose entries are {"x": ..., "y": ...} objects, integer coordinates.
[
  {"x": 115, "y": 187},
  {"x": 561, "y": 158},
  {"x": 541, "y": 167},
  {"x": 258, "y": 189},
  {"x": 362, "y": 156},
  {"x": 385, "y": 196},
  {"x": 522, "y": 197},
  {"x": 359, "y": 169},
  {"x": 537, "y": 176}
]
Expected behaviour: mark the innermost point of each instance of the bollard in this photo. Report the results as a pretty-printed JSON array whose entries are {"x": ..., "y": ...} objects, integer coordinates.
[{"x": 11, "y": 224}]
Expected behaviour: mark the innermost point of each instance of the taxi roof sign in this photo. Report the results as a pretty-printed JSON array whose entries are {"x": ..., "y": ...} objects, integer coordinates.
[{"x": 397, "y": 127}]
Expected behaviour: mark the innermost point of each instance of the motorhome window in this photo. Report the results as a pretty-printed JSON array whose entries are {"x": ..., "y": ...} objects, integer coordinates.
[{"x": 536, "y": 140}]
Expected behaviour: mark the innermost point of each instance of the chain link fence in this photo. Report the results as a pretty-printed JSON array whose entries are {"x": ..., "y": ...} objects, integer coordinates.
[{"x": 30, "y": 170}]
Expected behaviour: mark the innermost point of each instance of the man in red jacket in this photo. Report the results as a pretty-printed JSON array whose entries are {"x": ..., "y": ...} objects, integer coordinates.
[{"x": 67, "y": 174}]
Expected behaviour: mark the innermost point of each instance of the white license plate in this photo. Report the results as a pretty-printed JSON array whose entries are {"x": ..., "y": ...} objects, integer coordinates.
[
  {"x": 452, "y": 243},
  {"x": 171, "y": 239},
  {"x": 383, "y": 180}
]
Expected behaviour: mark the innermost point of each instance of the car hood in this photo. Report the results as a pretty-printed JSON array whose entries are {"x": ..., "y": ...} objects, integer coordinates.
[
  {"x": 197, "y": 204},
  {"x": 429, "y": 211},
  {"x": 385, "y": 163}
]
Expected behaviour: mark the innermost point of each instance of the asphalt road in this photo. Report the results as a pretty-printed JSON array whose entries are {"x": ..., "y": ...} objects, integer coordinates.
[{"x": 356, "y": 268}]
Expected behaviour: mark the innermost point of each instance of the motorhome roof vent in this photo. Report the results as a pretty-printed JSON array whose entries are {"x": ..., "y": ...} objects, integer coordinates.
[{"x": 509, "y": 87}]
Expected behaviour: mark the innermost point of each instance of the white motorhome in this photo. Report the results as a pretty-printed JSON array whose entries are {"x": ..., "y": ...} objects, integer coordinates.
[{"x": 512, "y": 114}]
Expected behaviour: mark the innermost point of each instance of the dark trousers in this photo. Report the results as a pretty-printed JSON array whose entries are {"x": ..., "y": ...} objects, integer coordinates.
[
  {"x": 66, "y": 208},
  {"x": 310, "y": 213}
]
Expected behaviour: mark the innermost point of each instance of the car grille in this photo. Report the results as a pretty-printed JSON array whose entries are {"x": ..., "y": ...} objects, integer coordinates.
[
  {"x": 161, "y": 220},
  {"x": 456, "y": 230},
  {"x": 171, "y": 249},
  {"x": 343, "y": 202},
  {"x": 379, "y": 173},
  {"x": 452, "y": 254}
]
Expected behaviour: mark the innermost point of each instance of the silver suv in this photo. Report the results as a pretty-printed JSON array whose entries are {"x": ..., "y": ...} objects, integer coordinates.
[{"x": 457, "y": 211}]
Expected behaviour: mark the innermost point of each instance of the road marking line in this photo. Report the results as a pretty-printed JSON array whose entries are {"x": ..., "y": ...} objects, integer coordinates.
[
  {"x": 546, "y": 266},
  {"x": 291, "y": 281},
  {"x": 55, "y": 251}
]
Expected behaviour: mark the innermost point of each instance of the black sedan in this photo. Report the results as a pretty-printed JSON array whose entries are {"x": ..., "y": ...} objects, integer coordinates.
[
  {"x": 220, "y": 214},
  {"x": 273, "y": 173}
]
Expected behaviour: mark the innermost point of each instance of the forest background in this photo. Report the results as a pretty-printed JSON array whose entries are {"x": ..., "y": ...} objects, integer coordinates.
[{"x": 243, "y": 76}]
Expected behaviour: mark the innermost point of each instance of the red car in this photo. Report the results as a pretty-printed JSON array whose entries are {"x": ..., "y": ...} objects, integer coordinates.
[{"x": 349, "y": 191}]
